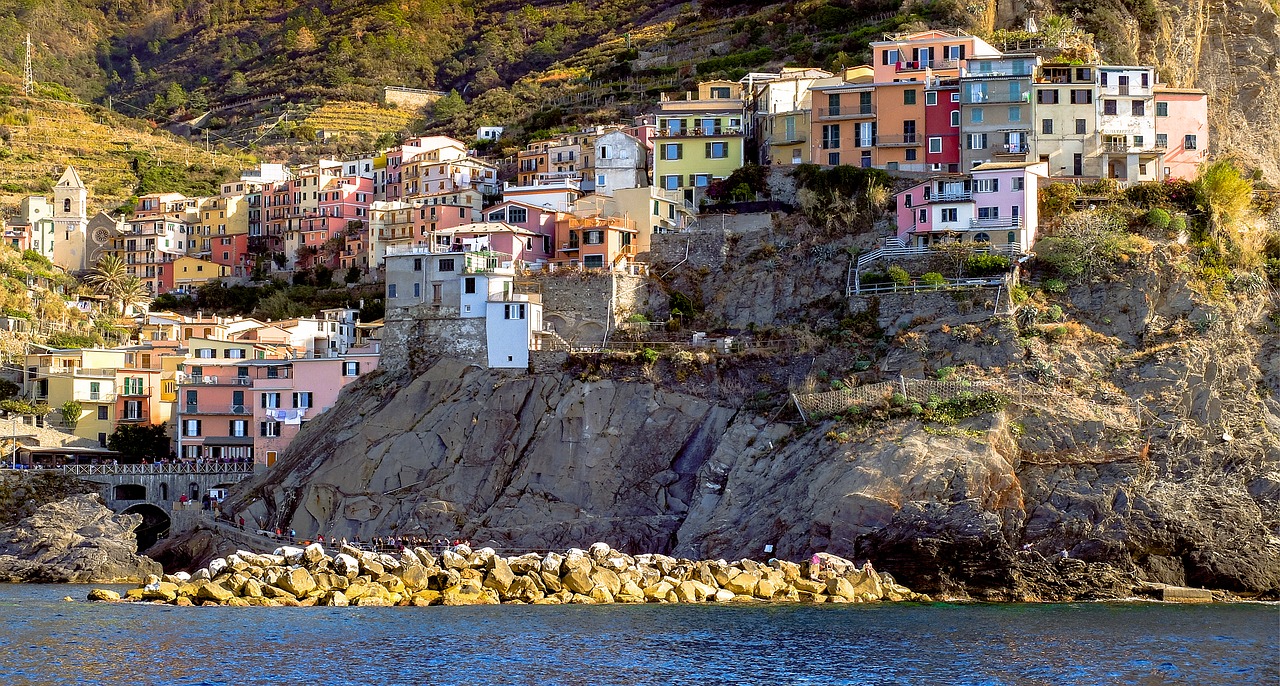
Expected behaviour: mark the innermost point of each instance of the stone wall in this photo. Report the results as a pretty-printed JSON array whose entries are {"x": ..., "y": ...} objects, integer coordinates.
[
  {"x": 410, "y": 98},
  {"x": 710, "y": 244},
  {"x": 415, "y": 336},
  {"x": 22, "y": 491},
  {"x": 578, "y": 304}
]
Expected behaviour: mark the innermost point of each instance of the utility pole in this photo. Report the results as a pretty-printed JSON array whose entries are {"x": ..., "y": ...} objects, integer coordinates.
[{"x": 28, "y": 78}]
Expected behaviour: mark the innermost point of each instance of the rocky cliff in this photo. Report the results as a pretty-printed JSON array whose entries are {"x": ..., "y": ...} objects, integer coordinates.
[
  {"x": 75, "y": 540},
  {"x": 1136, "y": 434}
]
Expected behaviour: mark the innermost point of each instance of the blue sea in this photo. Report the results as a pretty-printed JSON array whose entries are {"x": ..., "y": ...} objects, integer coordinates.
[{"x": 46, "y": 641}]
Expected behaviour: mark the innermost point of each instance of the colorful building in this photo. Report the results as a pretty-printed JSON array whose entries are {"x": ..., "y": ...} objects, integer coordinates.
[
  {"x": 1182, "y": 130},
  {"x": 700, "y": 138},
  {"x": 995, "y": 203}
]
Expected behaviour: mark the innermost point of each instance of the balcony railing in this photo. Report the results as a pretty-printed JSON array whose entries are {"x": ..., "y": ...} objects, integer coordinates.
[
  {"x": 917, "y": 65},
  {"x": 902, "y": 140},
  {"x": 135, "y": 392},
  {"x": 210, "y": 408},
  {"x": 996, "y": 223},
  {"x": 91, "y": 397},
  {"x": 211, "y": 380},
  {"x": 1025, "y": 71},
  {"x": 854, "y": 112},
  {"x": 486, "y": 262},
  {"x": 699, "y": 131},
  {"x": 970, "y": 98},
  {"x": 102, "y": 372},
  {"x": 951, "y": 196},
  {"x": 1013, "y": 149}
]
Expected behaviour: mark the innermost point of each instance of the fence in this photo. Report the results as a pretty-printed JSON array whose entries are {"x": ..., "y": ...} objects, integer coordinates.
[{"x": 148, "y": 469}]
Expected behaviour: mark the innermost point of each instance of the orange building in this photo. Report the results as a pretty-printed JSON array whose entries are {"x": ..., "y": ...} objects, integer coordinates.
[{"x": 595, "y": 242}]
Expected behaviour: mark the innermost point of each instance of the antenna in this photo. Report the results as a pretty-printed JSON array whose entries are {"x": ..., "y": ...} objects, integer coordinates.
[{"x": 28, "y": 80}]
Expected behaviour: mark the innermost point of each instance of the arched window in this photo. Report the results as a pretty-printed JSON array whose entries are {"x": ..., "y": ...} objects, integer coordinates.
[
  {"x": 1013, "y": 237},
  {"x": 981, "y": 237},
  {"x": 66, "y": 205}
]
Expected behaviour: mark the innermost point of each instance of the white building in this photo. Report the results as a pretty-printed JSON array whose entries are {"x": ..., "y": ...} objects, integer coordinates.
[
  {"x": 621, "y": 161},
  {"x": 489, "y": 133},
  {"x": 1127, "y": 124}
]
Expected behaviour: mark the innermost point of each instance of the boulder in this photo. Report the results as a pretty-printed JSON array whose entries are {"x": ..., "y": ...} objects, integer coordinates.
[
  {"x": 630, "y": 593},
  {"x": 252, "y": 589},
  {"x": 297, "y": 581},
  {"x": 217, "y": 566},
  {"x": 839, "y": 587},
  {"x": 724, "y": 596},
  {"x": 291, "y": 554},
  {"x": 373, "y": 601},
  {"x": 313, "y": 554},
  {"x": 578, "y": 580},
  {"x": 213, "y": 592},
  {"x": 687, "y": 592},
  {"x": 658, "y": 592},
  {"x": 346, "y": 565},
  {"x": 415, "y": 577},
  {"x": 743, "y": 583},
  {"x": 599, "y": 551},
  {"x": 500, "y": 575},
  {"x": 552, "y": 562},
  {"x": 104, "y": 595},
  {"x": 425, "y": 598},
  {"x": 425, "y": 557},
  {"x": 467, "y": 593},
  {"x": 766, "y": 589},
  {"x": 452, "y": 560},
  {"x": 607, "y": 579}
]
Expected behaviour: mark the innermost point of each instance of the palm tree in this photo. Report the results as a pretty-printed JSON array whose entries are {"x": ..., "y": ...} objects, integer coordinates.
[
  {"x": 131, "y": 292},
  {"x": 107, "y": 276}
]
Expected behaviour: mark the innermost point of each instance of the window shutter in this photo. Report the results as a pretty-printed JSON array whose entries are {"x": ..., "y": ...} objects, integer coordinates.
[
  {"x": 679, "y": 151},
  {"x": 995, "y": 185},
  {"x": 961, "y": 52},
  {"x": 708, "y": 153}
]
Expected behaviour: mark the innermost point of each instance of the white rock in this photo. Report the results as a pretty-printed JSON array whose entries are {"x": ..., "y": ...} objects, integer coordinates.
[
  {"x": 313, "y": 553},
  {"x": 291, "y": 554},
  {"x": 217, "y": 567},
  {"x": 182, "y": 576},
  {"x": 346, "y": 565},
  {"x": 599, "y": 550}
]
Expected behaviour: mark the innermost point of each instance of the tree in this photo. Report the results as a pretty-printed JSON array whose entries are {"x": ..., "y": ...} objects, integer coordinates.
[
  {"x": 108, "y": 276},
  {"x": 353, "y": 274},
  {"x": 139, "y": 442},
  {"x": 176, "y": 96},
  {"x": 130, "y": 293},
  {"x": 237, "y": 84},
  {"x": 304, "y": 40},
  {"x": 449, "y": 107},
  {"x": 71, "y": 411},
  {"x": 1226, "y": 197}
]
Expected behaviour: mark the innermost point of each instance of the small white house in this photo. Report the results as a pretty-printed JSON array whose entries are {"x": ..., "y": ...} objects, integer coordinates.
[
  {"x": 489, "y": 133},
  {"x": 509, "y": 327}
]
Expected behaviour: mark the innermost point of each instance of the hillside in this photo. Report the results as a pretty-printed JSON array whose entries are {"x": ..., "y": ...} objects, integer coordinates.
[{"x": 117, "y": 156}]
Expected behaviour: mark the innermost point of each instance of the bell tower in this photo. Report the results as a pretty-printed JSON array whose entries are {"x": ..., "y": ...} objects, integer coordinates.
[{"x": 70, "y": 221}]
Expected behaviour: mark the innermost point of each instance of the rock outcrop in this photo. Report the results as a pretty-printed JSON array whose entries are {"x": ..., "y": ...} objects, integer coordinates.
[
  {"x": 459, "y": 576},
  {"x": 75, "y": 540}
]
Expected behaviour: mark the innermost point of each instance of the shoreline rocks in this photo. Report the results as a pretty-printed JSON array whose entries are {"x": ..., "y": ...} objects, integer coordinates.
[
  {"x": 74, "y": 540},
  {"x": 303, "y": 577}
]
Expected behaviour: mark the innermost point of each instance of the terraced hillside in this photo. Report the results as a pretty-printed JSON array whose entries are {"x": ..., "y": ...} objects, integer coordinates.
[
  {"x": 117, "y": 156},
  {"x": 359, "y": 118}
]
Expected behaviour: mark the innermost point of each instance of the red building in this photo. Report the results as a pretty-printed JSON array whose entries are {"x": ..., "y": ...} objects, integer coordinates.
[{"x": 942, "y": 125}]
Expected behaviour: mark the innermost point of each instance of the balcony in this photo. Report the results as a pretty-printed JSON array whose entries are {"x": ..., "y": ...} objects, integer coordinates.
[
  {"x": 970, "y": 98},
  {"x": 996, "y": 223},
  {"x": 93, "y": 372},
  {"x": 1025, "y": 72},
  {"x": 486, "y": 262},
  {"x": 216, "y": 381},
  {"x": 951, "y": 196},
  {"x": 1013, "y": 149},
  {"x": 135, "y": 392},
  {"x": 210, "y": 408},
  {"x": 1116, "y": 147},
  {"x": 920, "y": 65},
  {"x": 906, "y": 140},
  {"x": 793, "y": 138},
  {"x": 91, "y": 397},
  {"x": 855, "y": 112},
  {"x": 699, "y": 131}
]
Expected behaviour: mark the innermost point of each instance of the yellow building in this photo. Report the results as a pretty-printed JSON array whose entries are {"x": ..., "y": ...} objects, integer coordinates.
[
  {"x": 226, "y": 215},
  {"x": 87, "y": 377},
  {"x": 699, "y": 138},
  {"x": 190, "y": 272},
  {"x": 653, "y": 211}
]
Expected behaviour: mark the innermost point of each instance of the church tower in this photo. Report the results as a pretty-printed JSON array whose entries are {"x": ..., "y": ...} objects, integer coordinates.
[{"x": 70, "y": 222}]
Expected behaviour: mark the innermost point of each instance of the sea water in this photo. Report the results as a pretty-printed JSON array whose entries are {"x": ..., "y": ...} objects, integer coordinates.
[{"x": 46, "y": 641}]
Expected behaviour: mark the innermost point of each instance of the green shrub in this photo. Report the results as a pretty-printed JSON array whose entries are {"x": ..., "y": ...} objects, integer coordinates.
[
  {"x": 1178, "y": 224},
  {"x": 899, "y": 276},
  {"x": 649, "y": 355},
  {"x": 985, "y": 264},
  {"x": 1055, "y": 313},
  {"x": 933, "y": 279},
  {"x": 1054, "y": 286},
  {"x": 1158, "y": 218}
]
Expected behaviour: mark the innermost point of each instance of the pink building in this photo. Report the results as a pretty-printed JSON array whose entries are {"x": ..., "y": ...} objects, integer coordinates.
[
  {"x": 995, "y": 203},
  {"x": 1182, "y": 129},
  {"x": 289, "y": 393},
  {"x": 539, "y": 221}
]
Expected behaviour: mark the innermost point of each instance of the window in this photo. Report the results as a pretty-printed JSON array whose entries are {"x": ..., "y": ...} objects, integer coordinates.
[
  {"x": 269, "y": 429},
  {"x": 1162, "y": 140},
  {"x": 701, "y": 180},
  {"x": 935, "y": 144},
  {"x": 986, "y": 185},
  {"x": 1138, "y": 141},
  {"x": 302, "y": 399},
  {"x": 446, "y": 264},
  {"x": 671, "y": 182},
  {"x": 1081, "y": 96},
  {"x": 417, "y": 264},
  {"x": 717, "y": 150},
  {"x": 924, "y": 216},
  {"x": 955, "y": 119},
  {"x": 593, "y": 237},
  {"x": 233, "y": 353},
  {"x": 830, "y": 136},
  {"x": 988, "y": 213},
  {"x": 950, "y": 214},
  {"x": 1018, "y": 183},
  {"x": 600, "y": 180},
  {"x": 192, "y": 427},
  {"x": 833, "y": 159},
  {"x": 865, "y": 160},
  {"x": 132, "y": 409},
  {"x": 930, "y": 98},
  {"x": 1139, "y": 108},
  {"x": 909, "y": 96},
  {"x": 270, "y": 400},
  {"x": 1046, "y": 126},
  {"x": 103, "y": 413},
  {"x": 910, "y": 155},
  {"x": 833, "y": 104},
  {"x": 593, "y": 261},
  {"x": 955, "y": 96},
  {"x": 1047, "y": 96},
  {"x": 1189, "y": 142},
  {"x": 351, "y": 369},
  {"x": 391, "y": 290},
  {"x": 977, "y": 141},
  {"x": 1109, "y": 107},
  {"x": 206, "y": 353},
  {"x": 516, "y": 310},
  {"x": 238, "y": 427},
  {"x": 469, "y": 285},
  {"x": 417, "y": 290},
  {"x": 1015, "y": 114},
  {"x": 975, "y": 115},
  {"x": 1081, "y": 126},
  {"x": 1142, "y": 168},
  {"x": 672, "y": 151},
  {"x": 720, "y": 93},
  {"x": 1162, "y": 109}
]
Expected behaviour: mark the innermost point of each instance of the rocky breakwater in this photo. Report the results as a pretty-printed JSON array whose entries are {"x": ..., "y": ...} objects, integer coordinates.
[
  {"x": 309, "y": 576},
  {"x": 75, "y": 540}
]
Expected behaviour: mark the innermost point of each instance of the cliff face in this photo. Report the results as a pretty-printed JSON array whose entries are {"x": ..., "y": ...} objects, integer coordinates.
[{"x": 76, "y": 540}]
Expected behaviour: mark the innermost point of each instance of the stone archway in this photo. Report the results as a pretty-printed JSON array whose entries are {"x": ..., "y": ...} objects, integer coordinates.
[
  {"x": 129, "y": 492},
  {"x": 155, "y": 524}
]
